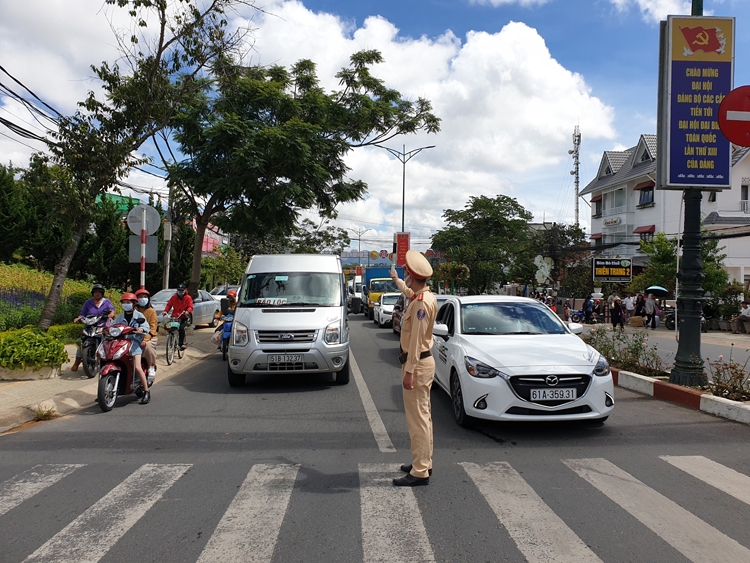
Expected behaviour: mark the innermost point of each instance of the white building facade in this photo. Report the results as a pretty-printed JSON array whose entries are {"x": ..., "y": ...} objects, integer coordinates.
[{"x": 626, "y": 207}]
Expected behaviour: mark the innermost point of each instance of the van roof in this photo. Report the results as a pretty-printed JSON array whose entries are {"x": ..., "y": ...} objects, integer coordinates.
[{"x": 262, "y": 263}]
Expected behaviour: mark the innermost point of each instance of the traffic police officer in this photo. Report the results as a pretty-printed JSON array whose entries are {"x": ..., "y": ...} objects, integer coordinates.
[{"x": 418, "y": 366}]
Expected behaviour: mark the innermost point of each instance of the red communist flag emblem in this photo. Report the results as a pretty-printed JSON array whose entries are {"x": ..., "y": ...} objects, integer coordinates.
[{"x": 702, "y": 39}]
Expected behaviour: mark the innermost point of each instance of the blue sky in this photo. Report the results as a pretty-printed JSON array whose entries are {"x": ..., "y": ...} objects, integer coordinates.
[{"x": 509, "y": 78}]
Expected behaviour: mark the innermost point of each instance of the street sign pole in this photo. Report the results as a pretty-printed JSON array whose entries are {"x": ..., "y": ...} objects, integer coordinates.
[{"x": 143, "y": 248}]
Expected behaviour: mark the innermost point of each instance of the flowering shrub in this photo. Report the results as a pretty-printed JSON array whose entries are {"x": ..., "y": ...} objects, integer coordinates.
[
  {"x": 728, "y": 379},
  {"x": 627, "y": 351}
]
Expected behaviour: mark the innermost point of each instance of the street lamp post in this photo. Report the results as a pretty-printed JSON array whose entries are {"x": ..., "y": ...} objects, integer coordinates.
[
  {"x": 359, "y": 232},
  {"x": 405, "y": 157}
]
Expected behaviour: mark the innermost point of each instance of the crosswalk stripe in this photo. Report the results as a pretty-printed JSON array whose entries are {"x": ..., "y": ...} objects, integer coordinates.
[
  {"x": 25, "y": 485},
  {"x": 250, "y": 527},
  {"x": 392, "y": 526},
  {"x": 87, "y": 538},
  {"x": 688, "y": 534},
  {"x": 539, "y": 533},
  {"x": 723, "y": 478}
]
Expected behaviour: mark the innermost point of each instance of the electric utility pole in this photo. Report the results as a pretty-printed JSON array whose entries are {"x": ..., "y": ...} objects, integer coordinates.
[{"x": 575, "y": 151}]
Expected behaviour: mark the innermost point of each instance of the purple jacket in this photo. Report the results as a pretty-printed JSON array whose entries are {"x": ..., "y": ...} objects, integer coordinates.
[{"x": 90, "y": 308}]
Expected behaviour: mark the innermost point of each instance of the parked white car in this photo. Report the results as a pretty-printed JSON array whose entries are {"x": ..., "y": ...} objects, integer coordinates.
[
  {"x": 512, "y": 358},
  {"x": 382, "y": 312}
]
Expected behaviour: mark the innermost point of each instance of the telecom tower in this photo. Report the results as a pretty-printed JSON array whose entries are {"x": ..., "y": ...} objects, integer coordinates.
[{"x": 576, "y": 162}]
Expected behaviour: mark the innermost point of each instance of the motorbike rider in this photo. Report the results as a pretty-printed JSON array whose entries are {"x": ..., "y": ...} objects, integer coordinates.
[
  {"x": 149, "y": 341},
  {"x": 232, "y": 299},
  {"x": 97, "y": 305},
  {"x": 131, "y": 317},
  {"x": 180, "y": 305}
]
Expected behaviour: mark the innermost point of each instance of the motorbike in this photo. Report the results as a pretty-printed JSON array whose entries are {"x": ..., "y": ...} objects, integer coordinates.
[
  {"x": 117, "y": 371},
  {"x": 670, "y": 321},
  {"x": 578, "y": 316},
  {"x": 92, "y": 336}
]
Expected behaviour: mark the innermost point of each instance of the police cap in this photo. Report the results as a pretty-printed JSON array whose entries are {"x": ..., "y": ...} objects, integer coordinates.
[{"x": 417, "y": 265}]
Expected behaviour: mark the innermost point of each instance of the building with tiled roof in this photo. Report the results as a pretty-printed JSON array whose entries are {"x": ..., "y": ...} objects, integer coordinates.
[{"x": 626, "y": 207}]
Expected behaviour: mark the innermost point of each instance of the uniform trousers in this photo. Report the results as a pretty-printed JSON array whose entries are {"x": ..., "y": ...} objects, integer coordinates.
[{"x": 419, "y": 417}]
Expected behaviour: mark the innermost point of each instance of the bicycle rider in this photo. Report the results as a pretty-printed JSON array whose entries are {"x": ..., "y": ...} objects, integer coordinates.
[{"x": 181, "y": 306}]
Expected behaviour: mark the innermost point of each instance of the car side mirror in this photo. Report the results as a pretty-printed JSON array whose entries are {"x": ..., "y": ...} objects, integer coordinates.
[
  {"x": 224, "y": 306},
  {"x": 575, "y": 328},
  {"x": 440, "y": 330}
]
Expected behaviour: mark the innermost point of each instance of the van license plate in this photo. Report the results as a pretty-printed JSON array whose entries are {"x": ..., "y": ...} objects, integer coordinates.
[
  {"x": 554, "y": 394},
  {"x": 284, "y": 358}
]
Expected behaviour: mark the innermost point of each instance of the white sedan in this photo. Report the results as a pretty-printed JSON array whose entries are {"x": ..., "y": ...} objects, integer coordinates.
[
  {"x": 382, "y": 312},
  {"x": 512, "y": 358}
]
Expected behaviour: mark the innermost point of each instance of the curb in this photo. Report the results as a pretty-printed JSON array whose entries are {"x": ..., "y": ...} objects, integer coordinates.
[
  {"x": 691, "y": 398},
  {"x": 78, "y": 399}
]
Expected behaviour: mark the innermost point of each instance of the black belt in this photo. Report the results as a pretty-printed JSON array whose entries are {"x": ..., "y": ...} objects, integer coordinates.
[{"x": 422, "y": 356}]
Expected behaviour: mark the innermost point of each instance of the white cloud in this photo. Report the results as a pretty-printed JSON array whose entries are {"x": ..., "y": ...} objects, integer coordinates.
[
  {"x": 655, "y": 11},
  {"x": 508, "y": 107},
  {"x": 503, "y": 2}
]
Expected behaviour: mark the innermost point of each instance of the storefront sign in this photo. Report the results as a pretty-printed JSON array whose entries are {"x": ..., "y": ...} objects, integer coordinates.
[{"x": 612, "y": 270}]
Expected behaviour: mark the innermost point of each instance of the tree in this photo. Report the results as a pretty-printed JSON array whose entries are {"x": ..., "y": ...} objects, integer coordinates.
[
  {"x": 226, "y": 267},
  {"x": 322, "y": 238},
  {"x": 485, "y": 236},
  {"x": 265, "y": 143},
  {"x": 95, "y": 146},
  {"x": 560, "y": 244}
]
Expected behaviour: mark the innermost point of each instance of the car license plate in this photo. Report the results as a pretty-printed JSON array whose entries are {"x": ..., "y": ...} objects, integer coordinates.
[
  {"x": 283, "y": 358},
  {"x": 554, "y": 394}
]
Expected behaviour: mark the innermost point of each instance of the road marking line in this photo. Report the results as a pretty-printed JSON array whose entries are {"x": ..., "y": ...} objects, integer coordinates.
[
  {"x": 88, "y": 538},
  {"x": 250, "y": 527},
  {"x": 373, "y": 416},
  {"x": 738, "y": 115},
  {"x": 32, "y": 481},
  {"x": 392, "y": 526},
  {"x": 540, "y": 534},
  {"x": 723, "y": 478},
  {"x": 688, "y": 534}
]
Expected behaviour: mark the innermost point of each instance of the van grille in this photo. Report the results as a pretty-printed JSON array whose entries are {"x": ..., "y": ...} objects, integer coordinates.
[
  {"x": 286, "y": 366},
  {"x": 285, "y": 336}
]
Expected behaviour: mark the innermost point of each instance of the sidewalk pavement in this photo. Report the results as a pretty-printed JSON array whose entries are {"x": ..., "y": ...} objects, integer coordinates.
[
  {"x": 725, "y": 338},
  {"x": 19, "y": 400}
]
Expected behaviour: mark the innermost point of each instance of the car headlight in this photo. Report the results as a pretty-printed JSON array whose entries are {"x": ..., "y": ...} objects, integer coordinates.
[
  {"x": 241, "y": 334},
  {"x": 478, "y": 369},
  {"x": 333, "y": 333},
  {"x": 602, "y": 367}
]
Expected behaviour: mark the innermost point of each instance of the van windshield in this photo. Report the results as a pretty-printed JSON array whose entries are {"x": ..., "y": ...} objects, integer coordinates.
[{"x": 290, "y": 289}]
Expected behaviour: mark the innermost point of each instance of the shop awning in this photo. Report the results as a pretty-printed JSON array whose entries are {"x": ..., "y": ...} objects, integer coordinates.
[
  {"x": 596, "y": 236},
  {"x": 596, "y": 198},
  {"x": 644, "y": 229},
  {"x": 644, "y": 185}
]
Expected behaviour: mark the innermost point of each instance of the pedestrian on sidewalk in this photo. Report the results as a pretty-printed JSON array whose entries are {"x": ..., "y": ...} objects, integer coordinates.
[
  {"x": 744, "y": 316},
  {"x": 651, "y": 311},
  {"x": 97, "y": 305},
  {"x": 617, "y": 312},
  {"x": 417, "y": 366},
  {"x": 588, "y": 308},
  {"x": 629, "y": 305},
  {"x": 640, "y": 306}
]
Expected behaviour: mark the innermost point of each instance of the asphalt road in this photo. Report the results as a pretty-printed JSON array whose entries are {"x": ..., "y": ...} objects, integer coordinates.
[{"x": 289, "y": 470}]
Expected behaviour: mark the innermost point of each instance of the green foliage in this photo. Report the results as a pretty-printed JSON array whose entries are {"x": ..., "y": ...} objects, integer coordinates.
[
  {"x": 729, "y": 379},
  {"x": 225, "y": 268},
  {"x": 627, "y": 351},
  {"x": 18, "y": 317},
  {"x": 556, "y": 242},
  {"x": 727, "y": 300},
  {"x": 30, "y": 348},
  {"x": 66, "y": 333},
  {"x": 486, "y": 236},
  {"x": 310, "y": 238}
]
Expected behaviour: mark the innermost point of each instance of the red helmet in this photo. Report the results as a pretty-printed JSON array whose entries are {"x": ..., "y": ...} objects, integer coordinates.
[
  {"x": 143, "y": 291},
  {"x": 232, "y": 293},
  {"x": 128, "y": 297}
]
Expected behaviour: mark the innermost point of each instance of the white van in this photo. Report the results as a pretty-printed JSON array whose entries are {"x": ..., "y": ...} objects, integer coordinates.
[{"x": 290, "y": 318}]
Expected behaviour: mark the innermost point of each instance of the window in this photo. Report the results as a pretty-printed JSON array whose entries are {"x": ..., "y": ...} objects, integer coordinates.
[
  {"x": 647, "y": 237},
  {"x": 645, "y": 157},
  {"x": 598, "y": 208},
  {"x": 646, "y": 197},
  {"x": 743, "y": 192},
  {"x": 620, "y": 197}
]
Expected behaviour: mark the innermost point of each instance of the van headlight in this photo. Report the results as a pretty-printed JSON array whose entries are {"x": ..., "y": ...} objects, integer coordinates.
[
  {"x": 241, "y": 334},
  {"x": 333, "y": 333},
  {"x": 602, "y": 367}
]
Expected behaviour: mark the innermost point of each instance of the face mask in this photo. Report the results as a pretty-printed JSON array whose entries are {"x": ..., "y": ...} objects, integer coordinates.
[
  {"x": 181, "y": 293},
  {"x": 143, "y": 301},
  {"x": 127, "y": 307}
]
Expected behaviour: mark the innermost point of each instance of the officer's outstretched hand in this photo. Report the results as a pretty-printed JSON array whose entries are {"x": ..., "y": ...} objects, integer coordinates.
[
  {"x": 394, "y": 274},
  {"x": 408, "y": 381}
]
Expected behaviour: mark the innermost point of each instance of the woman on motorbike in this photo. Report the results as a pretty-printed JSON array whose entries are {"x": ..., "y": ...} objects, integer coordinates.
[
  {"x": 131, "y": 317},
  {"x": 149, "y": 341},
  {"x": 97, "y": 305},
  {"x": 232, "y": 299}
]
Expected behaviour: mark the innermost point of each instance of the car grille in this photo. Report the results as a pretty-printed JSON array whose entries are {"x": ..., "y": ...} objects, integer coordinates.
[
  {"x": 537, "y": 412},
  {"x": 523, "y": 384},
  {"x": 286, "y": 366},
  {"x": 286, "y": 336}
]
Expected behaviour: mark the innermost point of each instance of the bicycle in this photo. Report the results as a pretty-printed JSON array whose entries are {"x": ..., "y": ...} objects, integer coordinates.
[{"x": 172, "y": 326}]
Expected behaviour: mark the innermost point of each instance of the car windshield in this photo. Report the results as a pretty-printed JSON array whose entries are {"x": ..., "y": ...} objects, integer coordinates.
[
  {"x": 163, "y": 295},
  {"x": 390, "y": 299},
  {"x": 383, "y": 286},
  {"x": 288, "y": 289},
  {"x": 509, "y": 318}
]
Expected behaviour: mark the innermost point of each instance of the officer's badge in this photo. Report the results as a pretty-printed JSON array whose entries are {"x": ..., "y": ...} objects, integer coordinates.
[{"x": 421, "y": 314}]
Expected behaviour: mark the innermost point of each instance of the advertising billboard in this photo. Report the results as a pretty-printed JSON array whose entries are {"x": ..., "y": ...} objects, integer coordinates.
[{"x": 617, "y": 270}]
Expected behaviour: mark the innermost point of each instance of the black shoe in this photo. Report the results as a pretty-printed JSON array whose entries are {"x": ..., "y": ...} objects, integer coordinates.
[
  {"x": 146, "y": 398},
  {"x": 407, "y": 469},
  {"x": 411, "y": 481}
]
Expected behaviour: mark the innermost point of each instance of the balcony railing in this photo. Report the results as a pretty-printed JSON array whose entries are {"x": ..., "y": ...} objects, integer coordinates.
[
  {"x": 745, "y": 205},
  {"x": 615, "y": 210}
]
